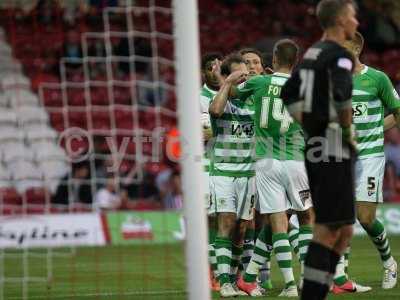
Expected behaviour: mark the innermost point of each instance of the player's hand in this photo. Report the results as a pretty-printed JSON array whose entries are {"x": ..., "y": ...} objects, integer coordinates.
[
  {"x": 268, "y": 70},
  {"x": 216, "y": 69},
  {"x": 207, "y": 134},
  {"x": 237, "y": 77},
  {"x": 349, "y": 136}
]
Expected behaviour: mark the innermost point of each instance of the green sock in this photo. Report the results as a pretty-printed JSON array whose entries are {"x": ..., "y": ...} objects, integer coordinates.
[
  {"x": 236, "y": 255},
  {"x": 294, "y": 240},
  {"x": 346, "y": 261},
  {"x": 223, "y": 250},
  {"x": 260, "y": 254},
  {"x": 305, "y": 236},
  {"x": 340, "y": 275},
  {"x": 378, "y": 236},
  {"x": 283, "y": 254},
  {"x": 265, "y": 270},
  {"x": 212, "y": 259}
]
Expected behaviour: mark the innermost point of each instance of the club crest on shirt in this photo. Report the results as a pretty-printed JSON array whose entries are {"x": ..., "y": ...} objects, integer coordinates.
[
  {"x": 221, "y": 202},
  {"x": 365, "y": 83}
]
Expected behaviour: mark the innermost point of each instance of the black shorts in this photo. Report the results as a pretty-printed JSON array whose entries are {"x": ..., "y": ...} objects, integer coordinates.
[{"x": 332, "y": 191}]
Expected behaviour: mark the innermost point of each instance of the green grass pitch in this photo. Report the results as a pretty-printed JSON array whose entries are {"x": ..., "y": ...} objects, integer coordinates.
[{"x": 156, "y": 272}]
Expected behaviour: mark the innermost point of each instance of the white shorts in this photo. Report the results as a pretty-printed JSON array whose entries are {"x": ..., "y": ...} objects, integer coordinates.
[
  {"x": 233, "y": 195},
  {"x": 369, "y": 179},
  {"x": 209, "y": 204},
  {"x": 282, "y": 185}
]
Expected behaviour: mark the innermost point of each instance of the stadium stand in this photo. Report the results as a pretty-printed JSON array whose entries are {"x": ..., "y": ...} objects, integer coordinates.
[{"x": 41, "y": 97}]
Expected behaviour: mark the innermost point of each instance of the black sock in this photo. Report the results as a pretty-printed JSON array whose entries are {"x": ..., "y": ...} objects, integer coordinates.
[{"x": 319, "y": 269}]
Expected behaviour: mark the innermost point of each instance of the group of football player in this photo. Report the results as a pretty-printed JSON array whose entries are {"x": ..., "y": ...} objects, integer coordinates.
[{"x": 259, "y": 199}]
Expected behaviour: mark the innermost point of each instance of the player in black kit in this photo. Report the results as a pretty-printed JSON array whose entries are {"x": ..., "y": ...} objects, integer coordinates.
[{"x": 319, "y": 96}]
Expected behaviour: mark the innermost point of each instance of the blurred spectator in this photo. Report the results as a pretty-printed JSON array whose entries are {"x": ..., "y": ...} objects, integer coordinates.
[
  {"x": 141, "y": 48},
  {"x": 172, "y": 198},
  {"x": 392, "y": 170},
  {"x": 25, "y": 5},
  {"x": 72, "y": 48},
  {"x": 46, "y": 11},
  {"x": 100, "y": 4},
  {"x": 391, "y": 184},
  {"x": 107, "y": 198},
  {"x": 73, "y": 9},
  {"x": 103, "y": 170},
  {"x": 380, "y": 30},
  {"x": 75, "y": 187},
  {"x": 145, "y": 189},
  {"x": 392, "y": 149}
]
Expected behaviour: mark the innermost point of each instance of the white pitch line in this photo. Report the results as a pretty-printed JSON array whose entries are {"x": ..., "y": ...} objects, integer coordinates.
[{"x": 146, "y": 293}]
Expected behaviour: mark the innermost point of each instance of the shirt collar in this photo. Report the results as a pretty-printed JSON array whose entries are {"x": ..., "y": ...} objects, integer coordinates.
[
  {"x": 281, "y": 74},
  {"x": 208, "y": 89},
  {"x": 364, "y": 70}
]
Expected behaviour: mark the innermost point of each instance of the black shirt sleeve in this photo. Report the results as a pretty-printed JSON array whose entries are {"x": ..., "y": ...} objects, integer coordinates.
[
  {"x": 341, "y": 80},
  {"x": 290, "y": 93}
]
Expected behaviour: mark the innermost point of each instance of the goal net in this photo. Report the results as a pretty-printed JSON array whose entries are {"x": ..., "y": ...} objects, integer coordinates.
[{"x": 91, "y": 192}]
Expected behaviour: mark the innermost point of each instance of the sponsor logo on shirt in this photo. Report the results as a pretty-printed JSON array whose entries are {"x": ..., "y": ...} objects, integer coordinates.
[
  {"x": 243, "y": 130},
  {"x": 360, "y": 109}
]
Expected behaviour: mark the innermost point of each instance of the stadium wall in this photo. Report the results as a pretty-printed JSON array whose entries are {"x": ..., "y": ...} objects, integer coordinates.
[{"x": 120, "y": 228}]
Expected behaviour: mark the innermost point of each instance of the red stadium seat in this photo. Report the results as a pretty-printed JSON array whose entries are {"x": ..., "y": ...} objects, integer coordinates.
[
  {"x": 101, "y": 120},
  {"x": 36, "y": 196},
  {"x": 10, "y": 196}
]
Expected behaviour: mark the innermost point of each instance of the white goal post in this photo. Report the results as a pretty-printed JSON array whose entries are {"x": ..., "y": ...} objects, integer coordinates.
[{"x": 188, "y": 86}]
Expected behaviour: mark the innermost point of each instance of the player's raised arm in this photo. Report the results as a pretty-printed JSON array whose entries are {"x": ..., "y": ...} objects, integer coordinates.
[
  {"x": 231, "y": 72},
  {"x": 392, "y": 120}
]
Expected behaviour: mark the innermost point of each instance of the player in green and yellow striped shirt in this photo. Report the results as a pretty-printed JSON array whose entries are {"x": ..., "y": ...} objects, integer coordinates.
[
  {"x": 208, "y": 91},
  {"x": 372, "y": 94},
  {"x": 232, "y": 183},
  {"x": 281, "y": 178}
]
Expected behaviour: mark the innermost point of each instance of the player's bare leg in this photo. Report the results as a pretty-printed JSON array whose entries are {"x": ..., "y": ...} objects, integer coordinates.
[{"x": 366, "y": 214}]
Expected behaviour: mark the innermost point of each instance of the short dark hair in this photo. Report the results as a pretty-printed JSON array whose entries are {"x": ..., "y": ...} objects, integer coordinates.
[
  {"x": 328, "y": 10},
  {"x": 252, "y": 50},
  {"x": 208, "y": 57},
  {"x": 286, "y": 52},
  {"x": 228, "y": 61}
]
